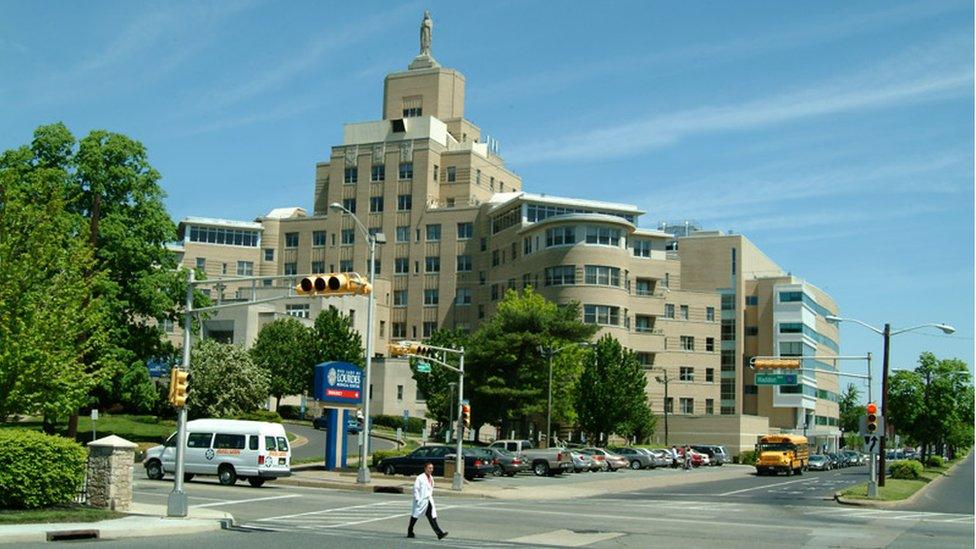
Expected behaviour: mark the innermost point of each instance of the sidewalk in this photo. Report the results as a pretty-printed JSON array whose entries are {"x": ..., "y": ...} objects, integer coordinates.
[
  {"x": 502, "y": 488},
  {"x": 143, "y": 521}
]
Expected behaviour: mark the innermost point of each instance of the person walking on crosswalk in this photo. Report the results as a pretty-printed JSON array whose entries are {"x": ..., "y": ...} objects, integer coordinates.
[{"x": 423, "y": 502}]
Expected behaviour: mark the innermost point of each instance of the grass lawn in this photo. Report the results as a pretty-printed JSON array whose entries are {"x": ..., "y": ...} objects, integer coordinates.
[
  {"x": 130, "y": 427},
  {"x": 64, "y": 513},
  {"x": 897, "y": 489}
]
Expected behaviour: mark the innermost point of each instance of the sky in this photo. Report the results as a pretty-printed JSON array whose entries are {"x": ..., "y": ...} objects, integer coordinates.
[{"x": 837, "y": 136}]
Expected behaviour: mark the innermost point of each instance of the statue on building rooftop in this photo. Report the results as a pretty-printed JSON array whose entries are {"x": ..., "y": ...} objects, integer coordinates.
[{"x": 425, "y": 60}]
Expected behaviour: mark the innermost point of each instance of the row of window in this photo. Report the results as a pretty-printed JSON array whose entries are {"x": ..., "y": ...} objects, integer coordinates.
[
  {"x": 802, "y": 297},
  {"x": 684, "y": 311},
  {"x": 433, "y": 233},
  {"x": 800, "y": 328},
  {"x": 225, "y": 236},
  {"x": 462, "y": 297},
  {"x": 538, "y": 212},
  {"x": 563, "y": 275},
  {"x": 687, "y": 406},
  {"x": 377, "y": 173},
  {"x": 687, "y": 373}
]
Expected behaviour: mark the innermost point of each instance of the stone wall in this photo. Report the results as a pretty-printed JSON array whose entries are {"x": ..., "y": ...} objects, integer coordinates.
[{"x": 110, "y": 473}]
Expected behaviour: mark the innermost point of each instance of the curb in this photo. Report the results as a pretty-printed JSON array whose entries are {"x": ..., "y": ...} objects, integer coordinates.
[
  {"x": 896, "y": 503},
  {"x": 114, "y": 529}
]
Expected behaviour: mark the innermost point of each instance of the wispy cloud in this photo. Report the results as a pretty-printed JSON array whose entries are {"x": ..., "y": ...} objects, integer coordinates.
[
  {"x": 775, "y": 220},
  {"x": 916, "y": 76}
]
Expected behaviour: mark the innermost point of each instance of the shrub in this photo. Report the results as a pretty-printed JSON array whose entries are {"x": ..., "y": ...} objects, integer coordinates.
[
  {"x": 747, "y": 457},
  {"x": 934, "y": 461},
  {"x": 39, "y": 470},
  {"x": 414, "y": 424},
  {"x": 380, "y": 455},
  {"x": 260, "y": 415},
  {"x": 906, "y": 469},
  {"x": 290, "y": 411}
]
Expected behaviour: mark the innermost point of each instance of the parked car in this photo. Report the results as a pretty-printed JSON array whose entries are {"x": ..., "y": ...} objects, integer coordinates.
[
  {"x": 636, "y": 459},
  {"x": 322, "y": 423},
  {"x": 696, "y": 458},
  {"x": 716, "y": 454},
  {"x": 507, "y": 463},
  {"x": 583, "y": 462},
  {"x": 835, "y": 460},
  {"x": 851, "y": 457},
  {"x": 543, "y": 461},
  {"x": 610, "y": 461},
  {"x": 819, "y": 462},
  {"x": 662, "y": 458},
  {"x": 476, "y": 463}
]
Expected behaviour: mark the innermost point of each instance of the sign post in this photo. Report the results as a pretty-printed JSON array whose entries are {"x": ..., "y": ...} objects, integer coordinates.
[
  {"x": 340, "y": 386},
  {"x": 872, "y": 445},
  {"x": 94, "y": 418}
]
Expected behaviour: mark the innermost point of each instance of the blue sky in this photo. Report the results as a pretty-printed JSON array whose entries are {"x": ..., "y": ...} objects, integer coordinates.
[{"x": 837, "y": 136}]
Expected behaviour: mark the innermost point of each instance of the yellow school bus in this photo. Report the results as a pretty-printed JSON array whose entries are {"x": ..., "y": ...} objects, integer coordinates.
[{"x": 782, "y": 453}]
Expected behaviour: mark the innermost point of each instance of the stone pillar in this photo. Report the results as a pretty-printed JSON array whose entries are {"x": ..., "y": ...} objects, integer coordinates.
[{"x": 110, "y": 473}]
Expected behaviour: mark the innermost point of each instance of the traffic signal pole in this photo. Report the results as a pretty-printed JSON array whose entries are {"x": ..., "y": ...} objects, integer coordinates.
[
  {"x": 176, "y": 504},
  {"x": 884, "y": 403},
  {"x": 362, "y": 475},
  {"x": 459, "y": 463}
]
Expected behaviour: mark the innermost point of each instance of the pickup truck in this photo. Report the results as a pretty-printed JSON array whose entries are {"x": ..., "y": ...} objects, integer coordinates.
[{"x": 543, "y": 461}]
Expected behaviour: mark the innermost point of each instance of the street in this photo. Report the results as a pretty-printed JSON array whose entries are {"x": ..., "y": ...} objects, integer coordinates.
[{"x": 315, "y": 447}]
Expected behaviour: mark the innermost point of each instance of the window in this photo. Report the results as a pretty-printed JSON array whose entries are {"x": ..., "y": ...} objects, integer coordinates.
[
  {"x": 433, "y": 232},
  {"x": 669, "y": 405},
  {"x": 399, "y": 329},
  {"x": 602, "y": 275},
  {"x": 403, "y": 234},
  {"x": 318, "y": 267},
  {"x": 377, "y": 267},
  {"x": 463, "y": 296},
  {"x": 268, "y": 255},
  {"x": 399, "y": 392},
  {"x": 377, "y": 173},
  {"x": 253, "y": 441},
  {"x": 230, "y": 442},
  {"x": 494, "y": 258},
  {"x": 643, "y": 324},
  {"x": 376, "y": 204},
  {"x": 484, "y": 244},
  {"x": 752, "y": 330},
  {"x": 401, "y": 265},
  {"x": 463, "y": 263},
  {"x": 728, "y": 329},
  {"x": 710, "y": 314},
  {"x": 710, "y": 344},
  {"x": 601, "y": 314},
  {"x": 644, "y": 287},
  {"x": 465, "y": 230},
  {"x": 291, "y": 268},
  {"x": 406, "y": 170},
  {"x": 348, "y": 236},
  {"x": 709, "y": 406},
  {"x": 603, "y": 236},
  {"x": 790, "y": 348},
  {"x": 404, "y": 202},
  {"x": 223, "y": 269},
  {"x": 399, "y": 298},
  {"x": 431, "y": 297},
  {"x": 494, "y": 292},
  {"x": 435, "y": 172},
  {"x": 201, "y": 263},
  {"x": 642, "y": 248},
  {"x": 477, "y": 177},
  {"x": 687, "y": 373},
  {"x": 561, "y": 275},
  {"x": 412, "y": 112},
  {"x": 790, "y": 297},
  {"x": 245, "y": 268},
  {"x": 482, "y": 278},
  {"x": 728, "y": 302},
  {"x": 291, "y": 240},
  {"x": 645, "y": 359},
  {"x": 382, "y": 328},
  {"x": 687, "y": 343},
  {"x": 429, "y": 328},
  {"x": 710, "y": 375},
  {"x": 345, "y": 266},
  {"x": 684, "y": 312},
  {"x": 224, "y": 235},
  {"x": 198, "y": 440},
  {"x": 526, "y": 246},
  {"x": 687, "y": 405},
  {"x": 432, "y": 264},
  {"x": 752, "y": 301},
  {"x": 318, "y": 239},
  {"x": 560, "y": 236},
  {"x": 349, "y": 204},
  {"x": 351, "y": 175},
  {"x": 451, "y": 174},
  {"x": 669, "y": 310}
]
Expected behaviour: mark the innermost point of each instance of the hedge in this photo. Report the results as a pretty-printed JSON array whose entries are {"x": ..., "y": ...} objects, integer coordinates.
[
  {"x": 380, "y": 455},
  {"x": 414, "y": 424},
  {"x": 935, "y": 461},
  {"x": 260, "y": 415},
  {"x": 39, "y": 470},
  {"x": 747, "y": 457},
  {"x": 908, "y": 469},
  {"x": 290, "y": 411}
]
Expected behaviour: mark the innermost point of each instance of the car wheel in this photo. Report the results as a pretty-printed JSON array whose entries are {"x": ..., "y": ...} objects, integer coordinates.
[
  {"x": 187, "y": 477},
  {"x": 540, "y": 468},
  {"x": 498, "y": 471},
  {"x": 227, "y": 475},
  {"x": 256, "y": 482},
  {"x": 512, "y": 474},
  {"x": 389, "y": 470},
  {"x": 154, "y": 470},
  {"x": 635, "y": 465}
]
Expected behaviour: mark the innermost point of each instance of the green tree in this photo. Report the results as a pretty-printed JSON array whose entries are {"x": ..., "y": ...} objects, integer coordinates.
[
  {"x": 611, "y": 396},
  {"x": 224, "y": 381},
  {"x": 508, "y": 374},
  {"x": 336, "y": 339},
  {"x": 435, "y": 384},
  {"x": 851, "y": 409},
  {"x": 50, "y": 318},
  {"x": 285, "y": 350}
]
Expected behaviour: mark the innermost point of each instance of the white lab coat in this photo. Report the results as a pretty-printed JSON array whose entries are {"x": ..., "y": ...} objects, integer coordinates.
[{"x": 423, "y": 495}]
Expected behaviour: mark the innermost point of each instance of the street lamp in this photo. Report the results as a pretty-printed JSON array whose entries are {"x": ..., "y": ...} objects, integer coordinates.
[
  {"x": 362, "y": 475},
  {"x": 550, "y": 352},
  {"x": 665, "y": 380},
  {"x": 886, "y": 333}
]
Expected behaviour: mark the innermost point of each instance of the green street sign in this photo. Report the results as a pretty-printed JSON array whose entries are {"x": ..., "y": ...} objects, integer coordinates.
[
  {"x": 423, "y": 367},
  {"x": 775, "y": 379}
]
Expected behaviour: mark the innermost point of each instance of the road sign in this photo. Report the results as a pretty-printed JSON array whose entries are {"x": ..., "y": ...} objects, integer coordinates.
[
  {"x": 776, "y": 379},
  {"x": 872, "y": 444},
  {"x": 423, "y": 368}
]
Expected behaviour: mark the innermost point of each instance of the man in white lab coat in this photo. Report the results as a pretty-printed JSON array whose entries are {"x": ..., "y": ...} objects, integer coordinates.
[{"x": 423, "y": 502}]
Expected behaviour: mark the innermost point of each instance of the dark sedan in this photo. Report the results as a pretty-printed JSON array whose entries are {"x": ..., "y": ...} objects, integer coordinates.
[{"x": 476, "y": 465}]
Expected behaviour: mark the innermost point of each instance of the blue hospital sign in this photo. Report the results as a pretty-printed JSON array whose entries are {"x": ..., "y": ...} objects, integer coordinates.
[{"x": 338, "y": 383}]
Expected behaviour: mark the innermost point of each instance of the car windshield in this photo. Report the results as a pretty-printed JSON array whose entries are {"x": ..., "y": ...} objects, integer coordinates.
[
  {"x": 503, "y": 452},
  {"x": 777, "y": 447},
  {"x": 817, "y": 458}
]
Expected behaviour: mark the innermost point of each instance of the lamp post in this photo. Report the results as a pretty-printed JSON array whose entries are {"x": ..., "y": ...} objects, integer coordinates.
[
  {"x": 886, "y": 333},
  {"x": 665, "y": 380},
  {"x": 550, "y": 352},
  {"x": 362, "y": 475},
  {"x": 450, "y": 424}
]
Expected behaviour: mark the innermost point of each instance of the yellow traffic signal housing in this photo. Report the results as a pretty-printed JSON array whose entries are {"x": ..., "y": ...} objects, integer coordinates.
[
  {"x": 334, "y": 284},
  {"x": 466, "y": 414},
  {"x": 179, "y": 381},
  {"x": 409, "y": 348},
  {"x": 776, "y": 364},
  {"x": 872, "y": 413}
]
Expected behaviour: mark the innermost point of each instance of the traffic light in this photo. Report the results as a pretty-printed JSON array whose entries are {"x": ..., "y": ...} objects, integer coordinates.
[
  {"x": 466, "y": 414},
  {"x": 179, "y": 381},
  {"x": 776, "y": 363},
  {"x": 333, "y": 284},
  {"x": 410, "y": 348},
  {"x": 872, "y": 413}
]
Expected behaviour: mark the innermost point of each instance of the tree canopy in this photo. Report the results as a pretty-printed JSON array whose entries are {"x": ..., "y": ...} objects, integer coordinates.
[
  {"x": 611, "y": 395},
  {"x": 224, "y": 381},
  {"x": 435, "y": 385},
  {"x": 285, "y": 350}
]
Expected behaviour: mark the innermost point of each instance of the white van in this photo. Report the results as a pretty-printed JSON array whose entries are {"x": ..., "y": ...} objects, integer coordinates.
[{"x": 228, "y": 448}]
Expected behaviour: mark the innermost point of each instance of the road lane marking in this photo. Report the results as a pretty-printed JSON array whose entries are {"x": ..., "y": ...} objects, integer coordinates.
[
  {"x": 489, "y": 507},
  {"x": 236, "y": 501},
  {"x": 766, "y": 486},
  {"x": 166, "y": 495},
  {"x": 323, "y": 511}
]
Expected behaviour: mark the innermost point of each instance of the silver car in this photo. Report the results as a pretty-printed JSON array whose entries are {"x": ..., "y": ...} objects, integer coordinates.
[
  {"x": 583, "y": 462},
  {"x": 662, "y": 458},
  {"x": 636, "y": 458}
]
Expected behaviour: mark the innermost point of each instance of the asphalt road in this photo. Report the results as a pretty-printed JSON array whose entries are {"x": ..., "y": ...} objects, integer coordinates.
[
  {"x": 286, "y": 516},
  {"x": 951, "y": 494},
  {"x": 316, "y": 442}
]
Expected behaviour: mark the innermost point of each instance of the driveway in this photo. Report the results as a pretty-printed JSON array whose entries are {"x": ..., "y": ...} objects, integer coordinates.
[{"x": 315, "y": 448}]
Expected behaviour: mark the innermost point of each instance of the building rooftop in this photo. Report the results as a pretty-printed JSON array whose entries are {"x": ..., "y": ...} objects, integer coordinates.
[
  {"x": 285, "y": 213},
  {"x": 499, "y": 200},
  {"x": 217, "y": 222}
]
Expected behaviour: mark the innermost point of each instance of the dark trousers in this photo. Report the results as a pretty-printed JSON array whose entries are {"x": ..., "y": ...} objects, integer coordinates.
[{"x": 430, "y": 518}]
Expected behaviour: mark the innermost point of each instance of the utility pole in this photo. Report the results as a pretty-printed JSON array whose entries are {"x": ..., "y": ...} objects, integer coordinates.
[
  {"x": 884, "y": 403},
  {"x": 665, "y": 380}
]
